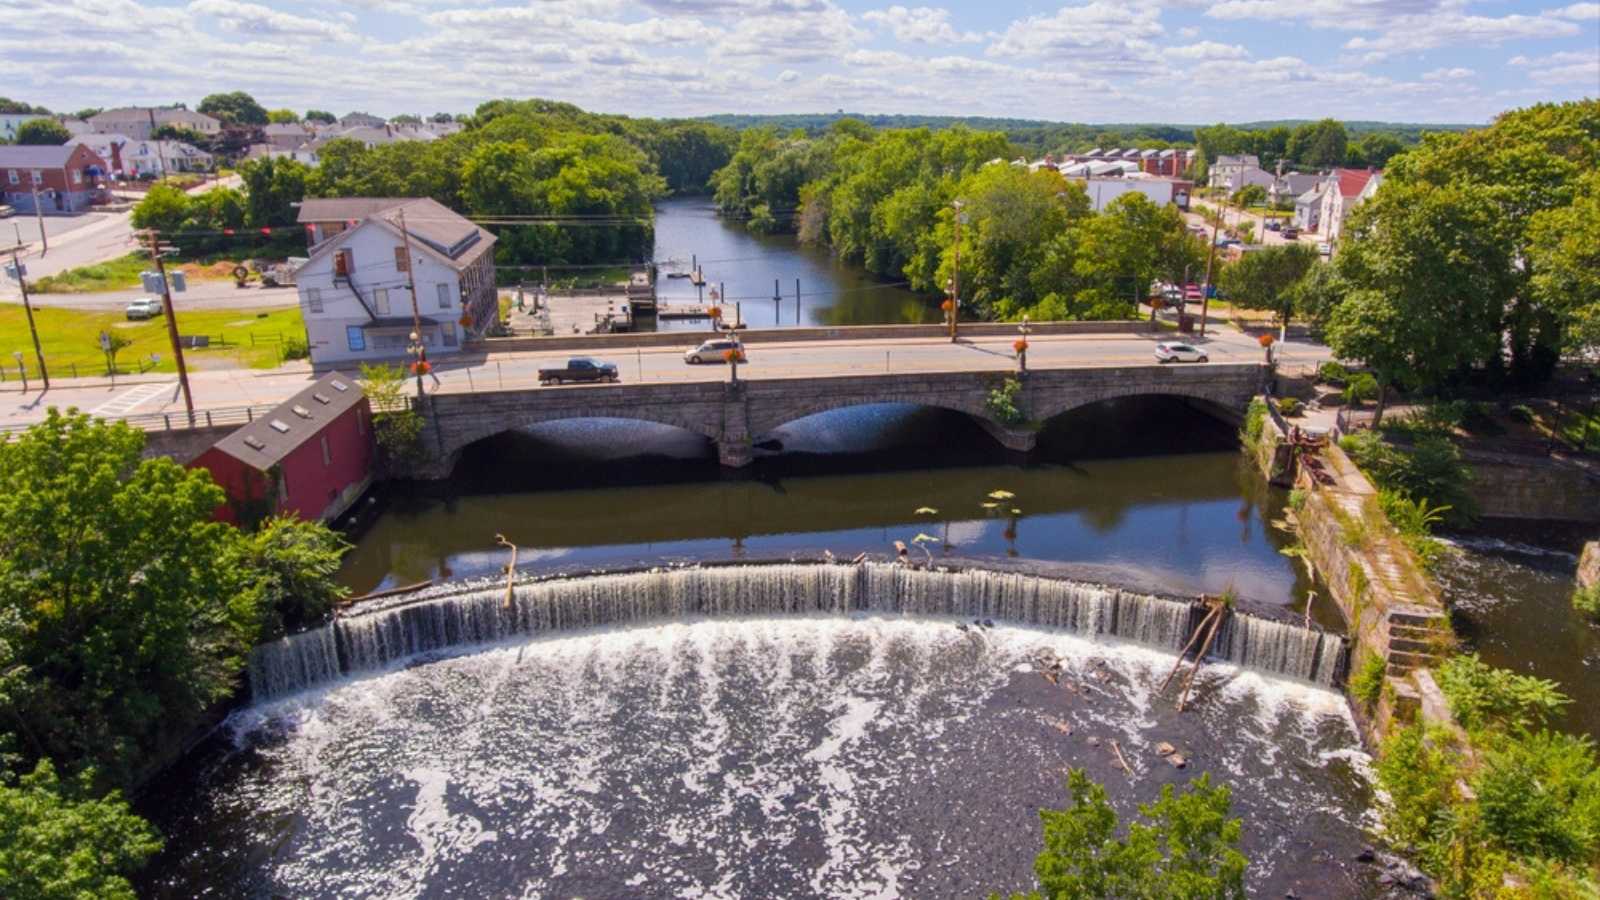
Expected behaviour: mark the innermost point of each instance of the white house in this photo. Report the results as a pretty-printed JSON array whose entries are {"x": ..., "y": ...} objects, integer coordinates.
[
  {"x": 1343, "y": 191},
  {"x": 10, "y": 122},
  {"x": 1308, "y": 208},
  {"x": 300, "y": 154},
  {"x": 1225, "y": 170},
  {"x": 163, "y": 157},
  {"x": 357, "y": 289},
  {"x": 138, "y": 122},
  {"x": 1159, "y": 191}
]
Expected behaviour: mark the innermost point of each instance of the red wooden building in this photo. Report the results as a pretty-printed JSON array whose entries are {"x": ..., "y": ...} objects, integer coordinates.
[{"x": 312, "y": 456}]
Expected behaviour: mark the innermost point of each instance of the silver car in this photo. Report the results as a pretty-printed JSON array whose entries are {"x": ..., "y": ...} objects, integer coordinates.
[
  {"x": 144, "y": 308},
  {"x": 714, "y": 351},
  {"x": 1175, "y": 351}
]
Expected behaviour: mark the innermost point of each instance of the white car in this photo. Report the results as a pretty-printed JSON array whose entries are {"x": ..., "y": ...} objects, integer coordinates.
[
  {"x": 144, "y": 308},
  {"x": 714, "y": 351},
  {"x": 1325, "y": 248},
  {"x": 7, "y": 211},
  {"x": 1172, "y": 351}
]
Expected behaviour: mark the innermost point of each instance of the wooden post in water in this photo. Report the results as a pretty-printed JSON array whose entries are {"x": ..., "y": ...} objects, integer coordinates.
[
  {"x": 511, "y": 568},
  {"x": 797, "y": 301}
]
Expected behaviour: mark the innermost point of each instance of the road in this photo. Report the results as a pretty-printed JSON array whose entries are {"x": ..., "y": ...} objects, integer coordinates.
[
  {"x": 214, "y": 294},
  {"x": 1261, "y": 235},
  {"x": 236, "y": 388},
  {"x": 107, "y": 236}
]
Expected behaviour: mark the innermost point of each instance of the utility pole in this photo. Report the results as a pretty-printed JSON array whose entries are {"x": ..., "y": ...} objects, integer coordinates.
[
  {"x": 416, "y": 313},
  {"x": 38, "y": 213},
  {"x": 22, "y": 282},
  {"x": 172, "y": 324},
  {"x": 955, "y": 279},
  {"x": 1211, "y": 255}
]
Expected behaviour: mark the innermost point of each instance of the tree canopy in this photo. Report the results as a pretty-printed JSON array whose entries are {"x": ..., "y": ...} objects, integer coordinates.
[
  {"x": 1186, "y": 847},
  {"x": 43, "y": 132},
  {"x": 234, "y": 108},
  {"x": 282, "y": 116},
  {"x": 59, "y": 842},
  {"x": 321, "y": 115},
  {"x": 1263, "y": 279},
  {"x": 18, "y": 107},
  {"x": 1318, "y": 144}
]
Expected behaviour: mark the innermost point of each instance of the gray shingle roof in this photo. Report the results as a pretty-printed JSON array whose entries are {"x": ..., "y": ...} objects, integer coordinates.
[
  {"x": 344, "y": 209},
  {"x": 263, "y": 444},
  {"x": 36, "y": 157}
]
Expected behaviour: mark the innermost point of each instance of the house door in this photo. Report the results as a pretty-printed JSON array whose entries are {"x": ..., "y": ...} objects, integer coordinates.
[{"x": 59, "y": 201}]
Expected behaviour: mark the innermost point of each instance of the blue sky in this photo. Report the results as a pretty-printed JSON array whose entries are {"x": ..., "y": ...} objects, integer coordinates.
[{"x": 1189, "y": 61}]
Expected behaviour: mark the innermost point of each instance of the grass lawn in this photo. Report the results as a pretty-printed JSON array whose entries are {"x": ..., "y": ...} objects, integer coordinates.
[
  {"x": 122, "y": 274},
  {"x": 71, "y": 338}
]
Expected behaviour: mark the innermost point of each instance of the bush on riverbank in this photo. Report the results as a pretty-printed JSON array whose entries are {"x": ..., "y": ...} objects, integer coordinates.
[
  {"x": 1507, "y": 806},
  {"x": 1429, "y": 471},
  {"x": 1587, "y": 601}
]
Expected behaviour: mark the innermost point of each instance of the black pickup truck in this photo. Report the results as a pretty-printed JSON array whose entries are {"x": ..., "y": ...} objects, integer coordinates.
[{"x": 580, "y": 368}]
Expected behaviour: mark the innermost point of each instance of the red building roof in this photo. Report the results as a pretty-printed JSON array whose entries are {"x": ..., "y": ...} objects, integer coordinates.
[
  {"x": 1353, "y": 181},
  {"x": 267, "y": 440}
]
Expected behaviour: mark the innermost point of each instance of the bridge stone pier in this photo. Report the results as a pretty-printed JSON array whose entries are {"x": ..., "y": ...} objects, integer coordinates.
[{"x": 737, "y": 416}]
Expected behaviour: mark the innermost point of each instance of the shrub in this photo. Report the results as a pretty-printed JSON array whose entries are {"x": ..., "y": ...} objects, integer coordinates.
[
  {"x": 1522, "y": 413},
  {"x": 1418, "y": 772},
  {"x": 1361, "y": 388},
  {"x": 1289, "y": 406},
  {"x": 1255, "y": 418},
  {"x": 1430, "y": 470},
  {"x": 1366, "y": 685},
  {"x": 1587, "y": 601},
  {"x": 1004, "y": 403},
  {"x": 295, "y": 348},
  {"x": 1297, "y": 499},
  {"x": 1540, "y": 796},
  {"x": 1482, "y": 696},
  {"x": 1333, "y": 373},
  {"x": 396, "y": 425}
]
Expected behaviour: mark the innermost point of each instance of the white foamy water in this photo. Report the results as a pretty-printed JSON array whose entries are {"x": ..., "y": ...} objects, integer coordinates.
[{"x": 793, "y": 756}]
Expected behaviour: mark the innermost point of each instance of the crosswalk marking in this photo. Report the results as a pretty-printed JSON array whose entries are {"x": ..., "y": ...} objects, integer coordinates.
[{"x": 128, "y": 400}]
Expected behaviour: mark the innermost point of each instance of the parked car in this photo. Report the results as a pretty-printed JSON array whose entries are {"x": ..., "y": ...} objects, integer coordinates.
[
  {"x": 714, "y": 351},
  {"x": 7, "y": 211},
  {"x": 1274, "y": 225},
  {"x": 1172, "y": 351},
  {"x": 1192, "y": 292},
  {"x": 1291, "y": 233},
  {"x": 143, "y": 308},
  {"x": 580, "y": 368},
  {"x": 1325, "y": 248}
]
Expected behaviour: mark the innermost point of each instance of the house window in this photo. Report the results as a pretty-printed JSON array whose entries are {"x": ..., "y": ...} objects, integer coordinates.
[
  {"x": 380, "y": 300},
  {"x": 449, "y": 333},
  {"x": 77, "y": 176},
  {"x": 314, "y": 299},
  {"x": 13, "y": 177},
  {"x": 401, "y": 264},
  {"x": 444, "y": 295},
  {"x": 356, "y": 337},
  {"x": 327, "y": 453},
  {"x": 38, "y": 176}
]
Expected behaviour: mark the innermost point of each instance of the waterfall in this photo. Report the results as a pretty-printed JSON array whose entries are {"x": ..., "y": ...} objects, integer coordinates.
[{"x": 365, "y": 639}]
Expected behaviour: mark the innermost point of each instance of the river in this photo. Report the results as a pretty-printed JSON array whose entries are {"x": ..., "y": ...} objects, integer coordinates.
[{"x": 744, "y": 266}]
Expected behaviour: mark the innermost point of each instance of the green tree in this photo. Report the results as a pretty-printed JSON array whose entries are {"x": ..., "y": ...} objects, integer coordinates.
[
  {"x": 171, "y": 132},
  {"x": 273, "y": 187},
  {"x": 88, "y": 112},
  {"x": 282, "y": 116},
  {"x": 1186, "y": 848},
  {"x": 58, "y": 842},
  {"x": 118, "y": 577},
  {"x": 1316, "y": 295},
  {"x": 1564, "y": 251},
  {"x": 234, "y": 108},
  {"x": 163, "y": 209},
  {"x": 1375, "y": 149},
  {"x": 294, "y": 564},
  {"x": 17, "y": 107},
  {"x": 1429, "y": 281},
  {"x": 407, "y": 119},
  {"x": 321, "y": 115},
  {"x": 43, "y": 132},
  {"x": 1250, "y": 195},
  {"x": 396, "y": 426},
  {"x": 1122, "y": 250},
  {"x": 1264, "y": 279},
  {"x": 1319, "y": 144}
]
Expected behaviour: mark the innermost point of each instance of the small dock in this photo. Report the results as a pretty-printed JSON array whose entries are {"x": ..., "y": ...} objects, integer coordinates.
[{"x": 683, "y": 311}]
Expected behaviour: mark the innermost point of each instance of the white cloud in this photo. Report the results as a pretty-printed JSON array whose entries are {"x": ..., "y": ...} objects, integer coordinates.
[
  {"x": 1454, "y": 74},
  {"x": 788, "y": 76},
  {"x": 1207, "y": 50},
  {"x": 1578, "y": 12},
  {"x": 1095, "y": 32},
  {"x": 920, "y": 25},
  {"x": 1566, "y": 67},
  {"x": 255, "y": 19}
]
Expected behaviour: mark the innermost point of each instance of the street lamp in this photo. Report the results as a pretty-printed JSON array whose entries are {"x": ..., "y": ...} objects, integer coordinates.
[
  {"x": 420, "y": 367},
  {"x": 955, "y": 278},
  {"x": 1021, "y": 346}
]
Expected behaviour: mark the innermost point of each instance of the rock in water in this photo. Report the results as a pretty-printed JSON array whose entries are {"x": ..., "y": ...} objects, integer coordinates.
[
  {"x": 1165, "y": 749},
  {"x": 1177, "y": 761}
]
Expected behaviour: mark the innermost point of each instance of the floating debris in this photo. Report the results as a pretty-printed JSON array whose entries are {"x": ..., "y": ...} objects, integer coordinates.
[
  {"x": 925, "y": 511},
  {"x": 1001, "y": 495},
  {"x": 1165, "y": 749}
]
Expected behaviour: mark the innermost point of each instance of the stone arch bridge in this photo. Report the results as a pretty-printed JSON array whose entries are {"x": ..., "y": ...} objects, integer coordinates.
[{"x": 736, "y": 416}]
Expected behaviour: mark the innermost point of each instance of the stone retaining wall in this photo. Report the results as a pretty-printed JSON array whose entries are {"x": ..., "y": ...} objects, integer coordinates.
[
  {"x": 1589, "y": 565},
  {"x": 1544, "y": 488}
]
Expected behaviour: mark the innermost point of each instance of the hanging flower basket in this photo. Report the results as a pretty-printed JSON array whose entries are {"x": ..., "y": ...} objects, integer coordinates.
[
  {"x": 1266, "y": 340},
  {"x": 421, "y": 368},
  {"x": 732, "y": 356},
  {"x": 1158, "y": 303},
  {"x": 1020, "y": 346},
  {"x": 714, "y": 312},
  {"x": 947, "y": 305},
  {"x": 465, "y": 320}
]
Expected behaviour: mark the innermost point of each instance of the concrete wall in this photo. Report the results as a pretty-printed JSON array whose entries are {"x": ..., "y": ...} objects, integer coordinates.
[
  {"x": 184, "y": 445},
  {"x": 558, "y": 344},
  {"x": 1534, "y": 487}
]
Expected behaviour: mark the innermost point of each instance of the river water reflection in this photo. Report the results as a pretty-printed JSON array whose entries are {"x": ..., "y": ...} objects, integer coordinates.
[{"x": 746, "y": 265}]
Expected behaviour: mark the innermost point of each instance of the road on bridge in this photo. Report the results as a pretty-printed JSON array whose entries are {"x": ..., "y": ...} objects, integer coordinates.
[{"x": 651, "y": 365}]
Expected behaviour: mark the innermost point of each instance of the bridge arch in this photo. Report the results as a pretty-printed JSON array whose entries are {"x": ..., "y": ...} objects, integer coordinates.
[{"x": 1226, "y": 408}]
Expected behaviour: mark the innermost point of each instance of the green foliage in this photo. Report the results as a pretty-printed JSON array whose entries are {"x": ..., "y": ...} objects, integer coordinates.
[
  {"x": 282, "y": 116},
  {"x": 321, "y": 115},
  {"x": 1418, "y": 771},
  {"x": 1374, "y": 149},
  {"x": 234, "y": 108},
  {"x": 296, "y": 347},
  {"x": 1319, "y": 144},
  {"x": 1333, "y": 373},
  {"x": 1316, "y": 295},
  {"x": 293, "y": 564},
  {"x": 1187, "y": 847},
  {"x": 129, "y": 619},
  {"x": 8, "y": 105},
  {"x": 1255, "y": 419},
  {"x": 1289, "y": 406},
  {"x": 1587, "y": 601},
  {"x": 396, "y": 426},
  {"x": 172, "y": 132},
  {"x": 1482, "y": 696},
  {"x": 1264, "y": 279},
  {"x": 1539, "y": 795},
  {"x": 1522, "y": 413},
  {"x": 1250, "y": 195},
  {"x": 1366, "y": 685},
  {"x": 1297, "y": 499},
  {"x": 1415, "y": 520},
  {"x": 46, "y": 132},
  {"x": 1564, "y": 249},
  {"x": 1361, "y": 388},
  {"x": 1004, "y": 403},
  {"x": 1430, "y": 470},
  {"x": 57, "y": 842}
]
